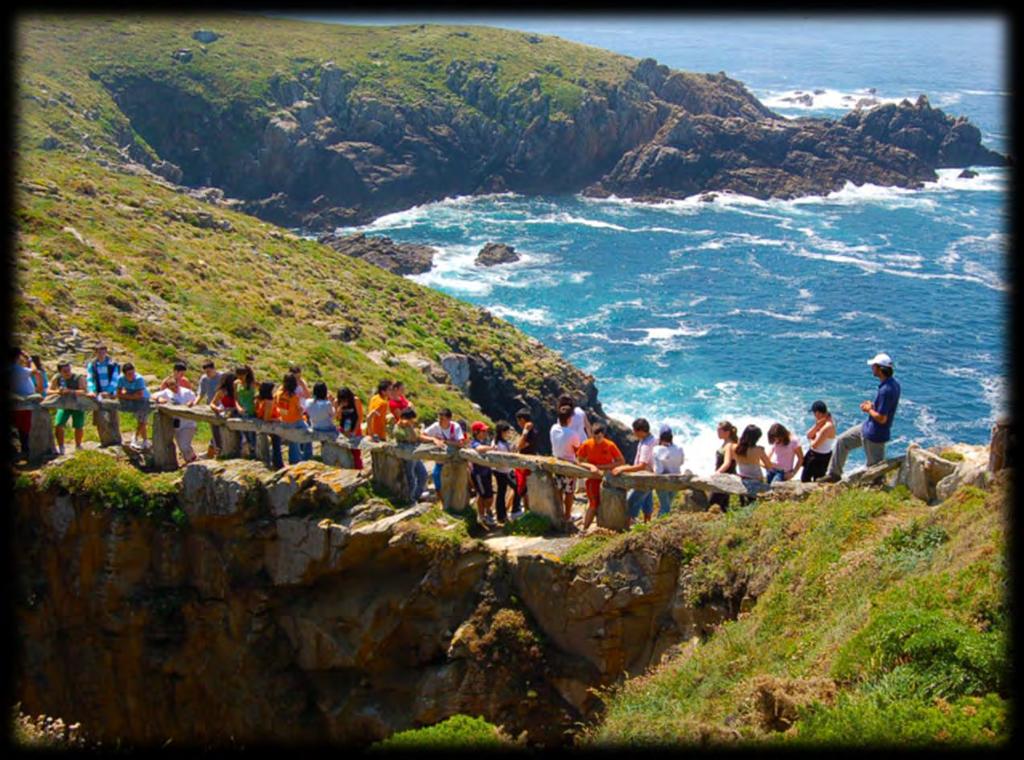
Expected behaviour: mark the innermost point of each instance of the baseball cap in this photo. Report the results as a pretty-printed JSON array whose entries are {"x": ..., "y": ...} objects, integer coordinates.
[
  {"x": 882, "y": 360},
  {"x": 664, "y": 430},
  {"x": 477, "y": 426}
]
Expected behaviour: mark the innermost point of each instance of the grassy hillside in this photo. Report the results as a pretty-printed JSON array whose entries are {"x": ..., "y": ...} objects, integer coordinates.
[
  {"x": 878, "y": 620},
  {"x": 396, "y": 64},
  {"x": 122, "y": 258}
]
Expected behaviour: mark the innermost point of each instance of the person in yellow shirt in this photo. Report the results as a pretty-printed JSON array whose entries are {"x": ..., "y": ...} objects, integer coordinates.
[
  {"x": 289, "y": 410},
  {"x": 376, "y": 418}
]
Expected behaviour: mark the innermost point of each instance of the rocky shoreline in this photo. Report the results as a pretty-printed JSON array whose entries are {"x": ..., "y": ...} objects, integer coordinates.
[{"x": 327, "y": 157}]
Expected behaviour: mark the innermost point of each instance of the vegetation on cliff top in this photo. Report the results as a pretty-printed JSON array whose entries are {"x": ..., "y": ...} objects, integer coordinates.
[
  {"x": 457, "y": 732},
  {"x": 240, "y": 70},
  {"x": 127, "y": 260},
  {"x": 116, "y": 485},
  {"x": 878, "y": 621}
]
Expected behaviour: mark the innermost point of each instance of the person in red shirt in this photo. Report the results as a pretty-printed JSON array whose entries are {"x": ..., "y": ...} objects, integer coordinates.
[
  {"x": 600, "y": 454},
  {"x": 397, "y": 402}
]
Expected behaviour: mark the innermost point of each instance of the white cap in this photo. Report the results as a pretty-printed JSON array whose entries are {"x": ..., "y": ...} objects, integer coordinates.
[{"x": 882, "y": 360}]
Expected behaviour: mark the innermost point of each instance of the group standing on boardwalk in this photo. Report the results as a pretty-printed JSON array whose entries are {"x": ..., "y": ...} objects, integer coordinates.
[{"x": 391, "y": 415}]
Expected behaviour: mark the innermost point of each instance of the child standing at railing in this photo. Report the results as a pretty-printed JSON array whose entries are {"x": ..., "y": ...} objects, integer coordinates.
[{"x": 320, "y": 413}]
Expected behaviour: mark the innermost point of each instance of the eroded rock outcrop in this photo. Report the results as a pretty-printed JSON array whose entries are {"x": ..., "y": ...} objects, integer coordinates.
[
  {"x": 288, "y": 609},
  {"x": 493, "y": 254},
  {"x": 381, "y": 251}
]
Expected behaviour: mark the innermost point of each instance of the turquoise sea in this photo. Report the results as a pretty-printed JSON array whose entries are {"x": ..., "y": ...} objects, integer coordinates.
[{"x": 689, "y": 313}]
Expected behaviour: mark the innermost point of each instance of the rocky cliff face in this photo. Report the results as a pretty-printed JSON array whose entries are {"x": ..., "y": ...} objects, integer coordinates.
[
  {"x": 322, "y": 153},
  {"x": 290, "y": 610}
]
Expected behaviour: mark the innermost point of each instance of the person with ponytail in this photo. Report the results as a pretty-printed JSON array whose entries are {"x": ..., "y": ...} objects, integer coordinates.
[
  {"x": 748, "y": 459},
  {"x": 727, "y": 434}
]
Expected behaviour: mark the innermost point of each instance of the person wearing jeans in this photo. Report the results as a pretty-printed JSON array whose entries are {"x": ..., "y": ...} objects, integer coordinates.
[
  {"x": 874, "y": 432},
  {"x": 668, "y": 459},
  {"x": 444, "y": 432},
  {"x": 643, "y": 461},
  {"x": 320, "y": 413},
  {"x": 289, "y": 409}
]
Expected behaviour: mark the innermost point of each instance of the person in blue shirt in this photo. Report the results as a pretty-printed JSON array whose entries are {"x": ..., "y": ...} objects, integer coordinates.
[
  {"x": 22, "y": 384},
  {"x": 102, "y": 374},
  {"x": 874, "y": 432},
  {"x": 134, "y": 397}
]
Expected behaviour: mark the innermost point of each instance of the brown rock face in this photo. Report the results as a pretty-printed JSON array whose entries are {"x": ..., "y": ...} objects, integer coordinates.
[
  {"x": 496, "y": 253},
  {"x": 287, "y": 610}
]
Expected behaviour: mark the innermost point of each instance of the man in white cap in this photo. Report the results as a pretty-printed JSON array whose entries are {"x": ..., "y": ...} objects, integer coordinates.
[{"x": 873, "y": 433}]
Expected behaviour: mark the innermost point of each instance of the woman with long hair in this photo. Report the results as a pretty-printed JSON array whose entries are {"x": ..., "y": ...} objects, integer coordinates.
[
  {"x": 727, "y": 434},
  {"x": 787, "y": 457},
  {"x": 822, "y": 437},
  {"x": 245, "y": 396},
  {"x": 748, "y": 457}
]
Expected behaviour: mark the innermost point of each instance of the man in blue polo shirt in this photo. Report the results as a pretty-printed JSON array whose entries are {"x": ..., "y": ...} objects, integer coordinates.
[{"x": 873, "y": 433}]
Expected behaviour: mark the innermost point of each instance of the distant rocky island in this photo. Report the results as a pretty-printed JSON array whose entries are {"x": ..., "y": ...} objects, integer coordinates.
[{"x": 320, "y": 126}]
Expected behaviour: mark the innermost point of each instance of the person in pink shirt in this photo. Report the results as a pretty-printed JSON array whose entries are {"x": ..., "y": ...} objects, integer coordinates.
[{"x": 786, "y": 455}]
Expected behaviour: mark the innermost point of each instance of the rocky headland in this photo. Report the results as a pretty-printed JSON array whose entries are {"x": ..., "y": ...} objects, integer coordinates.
[
  {"x": 367, "y": 121},
  {"x": 382, "y": 251}
]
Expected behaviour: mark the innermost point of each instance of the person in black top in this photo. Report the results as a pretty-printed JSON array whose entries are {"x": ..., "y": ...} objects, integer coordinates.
[
  {"x": 527, "y": 444},
  {"x": 727, "y": 434}
]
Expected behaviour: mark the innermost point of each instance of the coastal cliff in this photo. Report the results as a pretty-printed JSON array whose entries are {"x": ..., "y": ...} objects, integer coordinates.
[
  {"x": 229, "y": 603},
  {"x": 319, "y": 126}
]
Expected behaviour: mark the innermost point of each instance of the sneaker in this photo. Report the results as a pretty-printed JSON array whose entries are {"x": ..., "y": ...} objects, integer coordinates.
[
  {"x": 60, "y": 451},
  {"x": 147, "y": 444}
]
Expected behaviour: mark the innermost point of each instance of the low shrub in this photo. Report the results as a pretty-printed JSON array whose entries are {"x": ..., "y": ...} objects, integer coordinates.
[
  {"x": 459, "y": 731},
  {"x": 530, "y": 524}
]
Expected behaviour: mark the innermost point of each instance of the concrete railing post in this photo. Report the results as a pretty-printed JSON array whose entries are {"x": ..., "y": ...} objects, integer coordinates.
[
  {"x": 455, "y": 485},
  {"x": 165, "y": 456},
  {"x": 611, "y": 512},
  {"x": 545, "y": 499},
  {"x": 264, "y": 449},
  {"x": 41, "y": 444},
  {"x": 389, "y": 473},
  {"x": 1000, "y": 449},
  {"x": 232, "y": 442},
  {"x": 337, "y": 456},
  {"x": 108, "y": 426}
]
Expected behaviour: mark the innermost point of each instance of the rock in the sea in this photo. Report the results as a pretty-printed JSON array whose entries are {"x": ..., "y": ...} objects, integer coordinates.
[
  {"x": 496, "y": 253},
  {"x": 967, "y": 174},
  {"x": 398, "y": 258}
]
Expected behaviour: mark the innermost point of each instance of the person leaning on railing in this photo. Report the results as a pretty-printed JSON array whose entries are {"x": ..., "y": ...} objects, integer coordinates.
[
  {"x": 64, "y": 384},
  {"x": 133, "y": 396},
  {"x": 184, "y": 429}
]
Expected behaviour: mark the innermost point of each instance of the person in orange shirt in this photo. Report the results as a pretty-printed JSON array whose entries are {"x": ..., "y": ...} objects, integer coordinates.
[
  {"x": 266, "y": 410},
  {"x": 376, "y": 418},
  {"x": 289, "y": 409},
  {"x": 600, "y": 454}
]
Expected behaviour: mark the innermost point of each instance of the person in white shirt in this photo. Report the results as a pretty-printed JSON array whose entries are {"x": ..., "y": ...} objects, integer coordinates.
[
  {"x": 445, "y": 432},
  {"x": 643, "y": 461},
  {"x": 668, "y": 460},
  {"x": 564, "y": 442},
  {"x": 184, "y": 429},
  {"x": 580, "y": 422}
]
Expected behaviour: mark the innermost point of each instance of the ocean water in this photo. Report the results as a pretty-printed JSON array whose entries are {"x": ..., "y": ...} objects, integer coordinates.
[{"x": 689, "y": 313}]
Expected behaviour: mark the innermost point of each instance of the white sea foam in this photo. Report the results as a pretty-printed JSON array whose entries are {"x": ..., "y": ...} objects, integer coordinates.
[
  {"x": 830, "y": 99},
  {"x": 534, "y": 316},
  {"x": 768, "y": 313}
]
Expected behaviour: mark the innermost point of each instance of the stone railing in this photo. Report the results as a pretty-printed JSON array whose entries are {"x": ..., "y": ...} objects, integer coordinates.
[{"x": 387, "y": 456}]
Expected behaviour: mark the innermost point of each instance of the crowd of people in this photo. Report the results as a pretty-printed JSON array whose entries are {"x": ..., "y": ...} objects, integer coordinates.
[{"x": 501, "y": 492}]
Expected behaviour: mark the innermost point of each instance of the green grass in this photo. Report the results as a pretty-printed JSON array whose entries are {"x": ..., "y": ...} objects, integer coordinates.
[
  {"x": 901, "y": 608},
  {"x": 457, "y": 732},
  {"x": 530, "y": 524},
  {"x": 114, "y": 485},
  {"x": 442, "y": 530}
]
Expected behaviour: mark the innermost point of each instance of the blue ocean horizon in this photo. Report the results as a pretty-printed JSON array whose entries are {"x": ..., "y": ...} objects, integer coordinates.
[{"x": 689, "y": 313}]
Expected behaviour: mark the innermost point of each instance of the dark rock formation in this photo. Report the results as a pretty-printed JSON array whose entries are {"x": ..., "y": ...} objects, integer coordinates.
[
  {"x": 967, "y": 174},
  {"x": 496, "y": 253},
  {"x": 320, "y": 153},
  {"x": 485, "y": 380},
  {"x": 398, "y": 258},
  {"x": 893, "y": 145}
]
